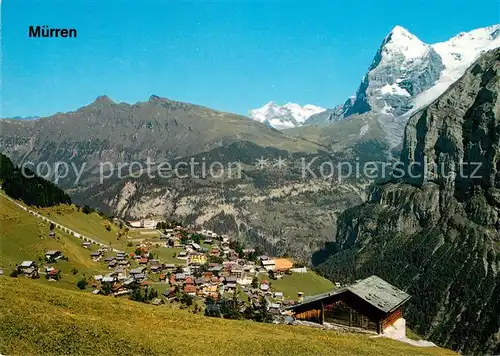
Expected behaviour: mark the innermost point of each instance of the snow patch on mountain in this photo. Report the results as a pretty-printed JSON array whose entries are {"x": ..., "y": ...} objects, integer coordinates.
[
  {"x": 400, "y": 41},
  {"x": 394, "y": 89},
  {"x": 457, "y": 55},
  {"x": 283, "y": 117}
]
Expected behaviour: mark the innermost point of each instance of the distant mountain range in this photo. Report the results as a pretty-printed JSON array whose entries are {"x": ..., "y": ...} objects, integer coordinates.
[
  {"x": 406, "y": 74},
  {"x": 25, "y": 118},
  {"x": 284, "y": 117}
]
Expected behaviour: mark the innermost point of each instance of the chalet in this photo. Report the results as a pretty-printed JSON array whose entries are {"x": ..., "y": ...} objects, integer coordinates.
[
  {"x": 169, "y": 294},
  {"x": 180, "y": 276},
  {"x": 96, "y": 256},
  {"x": 190, "y": 289},
  {"x": 189, "y": 280},
  {"x": 112, "y": 264},
  {"x": 110, "y": 278},
  {"x": 231, "y": 280},
  {"x": 169, "y": 267},
  {"x": 134, "y": 223},
  {"x": 122, "y": 276},
  {"x": 198, "y": 259},
  {"x": 137, "y": 270},
  {"x": 53, "y": 254},
  {"x": 195, "y": 246},
  {"x": 237, "y": 272},
  {"x": 108, "y": 259},
  {"x": 273, "y": 308},
  {"x": 157, "y": 301},
  {"x": 155, "y": 269},
  {"x": 149, "y": 223},
  {"x": 269, "y": 265},
  {"x": 199, "y": 281},
  {"x": 145, "y": 284},
  {"x": 139, "y": 276},
  {"x": 371, "y": 303},
  {"x": 245, "y": 280},
  {"x": 52, "y": 234},
  {"x": 278, "y": 295},
  {"x": 86, "y": 244},
  {"x": 53, "y": 274},
  {"x": 128, "y": 281},
  {"x": 248, "y": 251},
  {"x": 27, "y": 267}
]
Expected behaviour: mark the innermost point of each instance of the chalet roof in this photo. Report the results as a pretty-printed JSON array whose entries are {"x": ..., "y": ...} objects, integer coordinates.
[
  {"x": 52, "y": 252},
  {"x": 27, "y": 263},
  {"x": 373, "y": 290},
  {"x": 156, "y": 301},
  {"x": 379, "y": 293},
  {"x": 137, "y": 270}
]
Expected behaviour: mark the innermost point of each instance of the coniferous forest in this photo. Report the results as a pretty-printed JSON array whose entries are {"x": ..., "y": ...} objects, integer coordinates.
[{"x": 32, "y": 191}]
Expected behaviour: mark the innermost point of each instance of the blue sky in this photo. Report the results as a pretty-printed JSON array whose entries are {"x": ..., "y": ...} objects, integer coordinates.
[{"x": 232, "y": 56}]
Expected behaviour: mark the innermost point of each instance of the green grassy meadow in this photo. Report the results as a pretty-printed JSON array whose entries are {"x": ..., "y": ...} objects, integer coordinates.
[
  {"x": 308, "y": 283},
  {"x": 37, "y": 319}
]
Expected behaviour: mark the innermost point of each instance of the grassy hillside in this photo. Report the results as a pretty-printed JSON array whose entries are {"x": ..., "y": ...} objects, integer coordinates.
[
  {"x": 92, "y": 225},
  {"x": 342, "y": 134},
  {"x": 24, "y": 237},
  {"x": 38, "y": 319},
  {"x": 308, "y": 283}
]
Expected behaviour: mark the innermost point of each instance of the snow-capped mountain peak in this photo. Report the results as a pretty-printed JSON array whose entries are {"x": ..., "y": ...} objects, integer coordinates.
[
  {"x": 401, "y": 41},
  {"x": 282, "y": 117}
]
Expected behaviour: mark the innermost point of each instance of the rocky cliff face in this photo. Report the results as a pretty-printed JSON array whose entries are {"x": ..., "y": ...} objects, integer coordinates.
[
  {"x": 403, "y": 67},
  {"x": 435, "y": 232}
]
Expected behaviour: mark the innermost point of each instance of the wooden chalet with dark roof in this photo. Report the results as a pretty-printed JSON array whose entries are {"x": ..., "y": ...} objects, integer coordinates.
[{"x": 371, "y": 303}]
